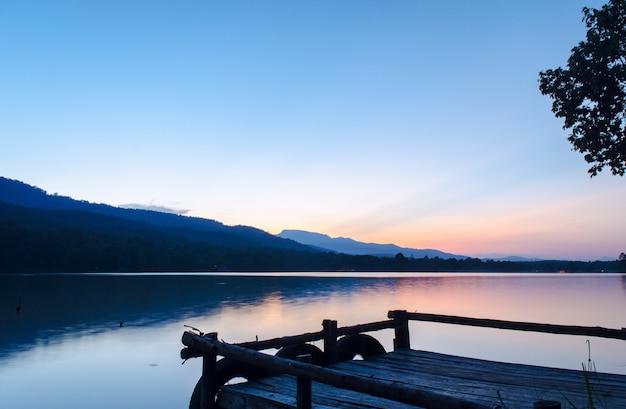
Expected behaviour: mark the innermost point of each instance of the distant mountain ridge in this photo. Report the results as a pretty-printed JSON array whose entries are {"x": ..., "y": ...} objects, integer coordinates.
[
  {"x": 353, "y": 247},
  {"x": 43, "y": 233},
  {"x": 18, "y": 193}
]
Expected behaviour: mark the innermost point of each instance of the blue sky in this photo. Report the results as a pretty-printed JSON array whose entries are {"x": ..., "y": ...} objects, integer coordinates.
[{"x": 409, "y": 122}]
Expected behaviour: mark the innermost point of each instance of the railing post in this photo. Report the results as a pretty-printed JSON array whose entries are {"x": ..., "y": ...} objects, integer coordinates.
[
  {"x": 303, "y": 391},
  {"x": 330, "y": 341},
  {"x": 401, "y": 328},
  {"x": 208, "y": 387}
]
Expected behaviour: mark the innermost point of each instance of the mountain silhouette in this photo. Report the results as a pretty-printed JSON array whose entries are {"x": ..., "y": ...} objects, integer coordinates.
[
  {"x": 353, "y": 247},
  {"x": 41, "y": 233},
  {"x": 84, "y": 213}
]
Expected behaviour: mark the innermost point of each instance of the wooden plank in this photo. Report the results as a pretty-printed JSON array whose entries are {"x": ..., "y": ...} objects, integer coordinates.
[
  {"x": 361, "y": 399},
  {"x": 510, "y": 385},
  {"x": 409, "y": 376},
  {"x": 519, "y": 326},
  {"x": 282, "y": 341},
  {"x": 314, "y": 336},
  {"x": 538, "y": 378},
  {"x": 282, "y": 389},
  {"x": 251, "y": 398},
  {"x": 368, "y": 327},
  {"x": 330, "y": 395},
  {"x": 482, "y": 369},
  {"x": 448, "y": 385},
  {"x": 469, "y": 379},
  {"x": 353, "y": 381},
  {"x": 503, "y": 373}
]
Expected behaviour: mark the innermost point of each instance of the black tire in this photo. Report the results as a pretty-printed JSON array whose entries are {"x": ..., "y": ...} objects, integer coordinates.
[
  {"x": 292, "y": 352},
  {"x": 359, "y": 344},
  {"x": 225, "y": 370}
]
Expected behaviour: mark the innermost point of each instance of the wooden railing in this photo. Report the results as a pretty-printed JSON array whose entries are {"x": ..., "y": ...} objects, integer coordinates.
[
  {"x": 209, "y": 348},
  {"x": 517, "y": 326}
]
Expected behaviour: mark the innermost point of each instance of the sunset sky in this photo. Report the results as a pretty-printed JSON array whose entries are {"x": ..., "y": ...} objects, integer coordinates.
[{"x": 417, "y": 123}]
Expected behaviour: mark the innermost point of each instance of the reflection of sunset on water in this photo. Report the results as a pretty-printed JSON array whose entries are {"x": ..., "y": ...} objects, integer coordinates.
[
  {"x": 537, "y": 298},
  {"x": 89, "y": 342},
  {"x": 557, "y": 299}
]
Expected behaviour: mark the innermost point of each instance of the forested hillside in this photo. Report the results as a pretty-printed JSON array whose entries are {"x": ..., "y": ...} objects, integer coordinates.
[
  {"x": 48, "y": 233},
  {"x": 39, "y": 240},
  {"x": 192, "y": 228}
]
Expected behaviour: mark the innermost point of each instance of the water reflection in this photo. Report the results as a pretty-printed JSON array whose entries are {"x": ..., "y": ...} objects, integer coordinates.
[
  {"x": 67, "y": 339},
  {"x": 55, "y": 305}
]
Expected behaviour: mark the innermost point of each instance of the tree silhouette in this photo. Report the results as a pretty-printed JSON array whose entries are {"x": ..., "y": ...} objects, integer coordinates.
[{"x": 590, "y": 93}]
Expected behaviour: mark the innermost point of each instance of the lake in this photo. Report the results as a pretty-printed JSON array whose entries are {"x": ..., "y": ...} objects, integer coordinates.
[{"x": 66, "y": 348}]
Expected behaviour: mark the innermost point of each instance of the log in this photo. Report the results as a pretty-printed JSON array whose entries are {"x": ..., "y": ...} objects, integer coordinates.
[
  {"x": 369, "y": 327},
  {"x": 383, "y": 389},
  {"x": 401, "y": 328},
  {"x": 521, "y": 326},
  {"x": 208, "y": 388},
  {"x": 303, "y": 389},
  {"x": 330, "y": 341},
  {"x": 283, "y": 341},
  {"x": 315, "y": 336}
]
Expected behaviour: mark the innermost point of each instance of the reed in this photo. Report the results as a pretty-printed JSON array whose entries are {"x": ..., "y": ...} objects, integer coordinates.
[{"x": 594, "y": 395}]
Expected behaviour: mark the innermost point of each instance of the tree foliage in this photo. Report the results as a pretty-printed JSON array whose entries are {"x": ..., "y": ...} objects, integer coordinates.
[
  {"x": 37, "y": 241},
  {"x": 590, "y": 93}
]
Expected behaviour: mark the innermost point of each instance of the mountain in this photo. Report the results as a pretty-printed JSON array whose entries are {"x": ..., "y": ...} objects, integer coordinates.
[
  {"x": 497, "y": 257},
  {"x": 43, "y": 233},
  {"x": 353, "y": 247},
  {"x": 18, "y": 193}
]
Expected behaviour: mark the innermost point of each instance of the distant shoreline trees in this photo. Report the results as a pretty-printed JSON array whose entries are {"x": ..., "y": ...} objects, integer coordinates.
[
  {"x": 36, "y": 249},
  {"x": 67, "y": 241}
]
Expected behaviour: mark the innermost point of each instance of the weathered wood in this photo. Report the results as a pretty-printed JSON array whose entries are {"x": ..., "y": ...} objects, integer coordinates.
[
  {"x": 330, "y": 341},
  {"x": 403, "y": 377},
  {"x": 208, "y": 388},
  {"x": 447, "y": 319},
  {"x": 516, "y": 382},
  {"x": 314, "y": 336},
  {"x": 360, "y": 328},
  {"x": 521, "y": 326},
  {"x": 509, "y": 385},
  {"x": 282, "y": 389},
  {"x": 401, "y": 328},
  {"x": 384, "y": 389},
  {"x": 441, "y": 364},
  {"x": 283, "y": 341},
  {"x": 303, "y": 390}
]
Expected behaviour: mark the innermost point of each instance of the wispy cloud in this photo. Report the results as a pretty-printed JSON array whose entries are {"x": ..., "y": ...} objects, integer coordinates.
[{"x": 155, "y": 207}]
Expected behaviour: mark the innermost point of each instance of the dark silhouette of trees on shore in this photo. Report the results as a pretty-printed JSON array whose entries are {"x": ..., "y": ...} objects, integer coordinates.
[{"x": 69, "y": 241}]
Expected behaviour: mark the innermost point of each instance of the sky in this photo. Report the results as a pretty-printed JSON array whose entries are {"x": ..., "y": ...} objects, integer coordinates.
[{"x": 417, "y": 123}]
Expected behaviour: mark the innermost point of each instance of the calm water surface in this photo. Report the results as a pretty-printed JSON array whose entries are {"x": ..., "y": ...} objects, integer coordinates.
[{"x": 66, "y": 347}]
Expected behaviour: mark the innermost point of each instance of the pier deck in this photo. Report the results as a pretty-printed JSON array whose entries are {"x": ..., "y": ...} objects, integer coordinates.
[
  {"x": 490, "y": 383},
  {"x": 304, "y": 377}
]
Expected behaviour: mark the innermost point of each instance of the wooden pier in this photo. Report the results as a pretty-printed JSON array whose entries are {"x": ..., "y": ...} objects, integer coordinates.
[{"x": 302, "y": 376}]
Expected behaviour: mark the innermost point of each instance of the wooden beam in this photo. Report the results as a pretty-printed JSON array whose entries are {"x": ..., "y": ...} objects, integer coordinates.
[
  {"x": 330, "y": 341},
  {"x": 282, "y": 341},
  {"x": 521, "y": 326},
  {"x": 380, "y": 388},
  {"x": 369, "y": 327},
  {"x": 401, "y": 328},
  {"x": 208, "y": 388},
  {"x": 315, "y": 336},
  {"x": 303, "y": 388}
]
